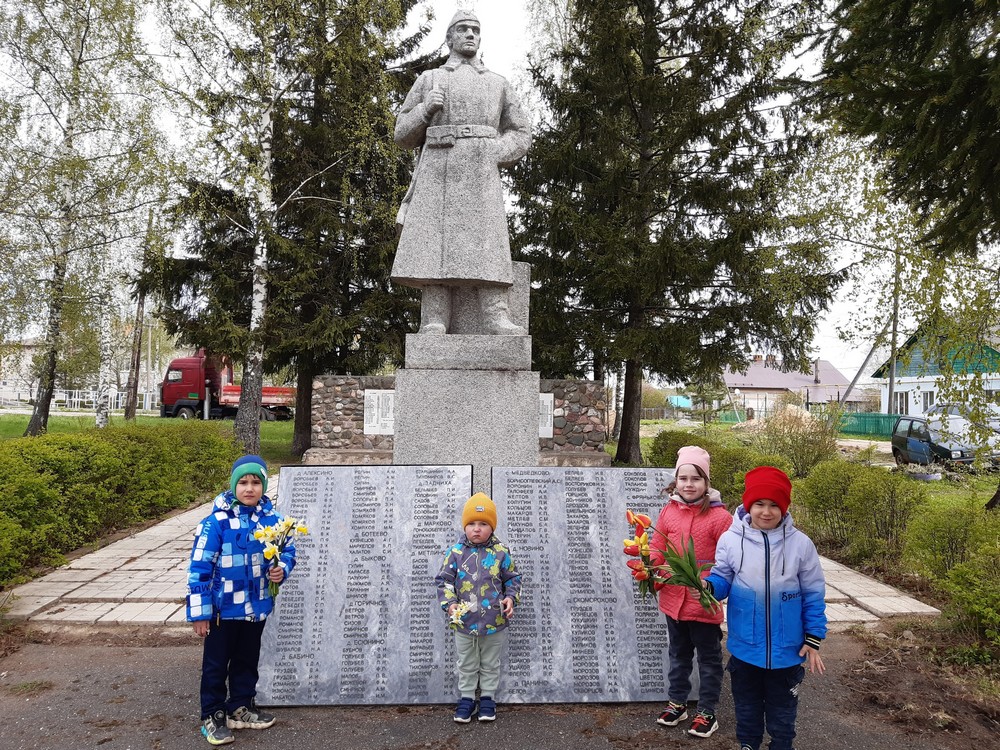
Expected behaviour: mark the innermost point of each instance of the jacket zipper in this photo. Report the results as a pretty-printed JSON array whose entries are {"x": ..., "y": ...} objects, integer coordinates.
[{"x": 767, "y": 600}]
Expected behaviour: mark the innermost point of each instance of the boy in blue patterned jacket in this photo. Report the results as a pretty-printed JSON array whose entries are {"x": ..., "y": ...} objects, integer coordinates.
[
  {"x": 777, "y": 614},
  {"x": 229, "y": 600},
  {"x": 478, "y": 587}
]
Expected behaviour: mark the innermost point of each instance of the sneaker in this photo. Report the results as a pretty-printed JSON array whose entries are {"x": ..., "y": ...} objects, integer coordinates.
[
  {"x": 464, "y": 710},
  {"x": 214, "y": 729},
  {"x": 704, "y": 724},
  {"x": 249, "y": 718},
  {"x": 673, "y": 715},
  {"x": 487, "y": 709}
]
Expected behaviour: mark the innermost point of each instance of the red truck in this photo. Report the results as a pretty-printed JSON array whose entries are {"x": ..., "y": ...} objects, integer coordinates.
[{"x": 183, "y": 391}]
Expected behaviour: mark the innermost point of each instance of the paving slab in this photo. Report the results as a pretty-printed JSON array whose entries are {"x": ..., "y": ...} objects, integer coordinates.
[
  {"x": 47, "y": 588},
  {"x": 894, "y": 606},
  {"x": 138, "y": 613},
  {"x": 24, "y": 607},
  {"x": 79, "y": 613},
  {"x": 844, "y": 613}
]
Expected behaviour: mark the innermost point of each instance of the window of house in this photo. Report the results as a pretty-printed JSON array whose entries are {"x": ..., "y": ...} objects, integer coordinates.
[
  {"x": 928, "y": 399},
  {"x": 902, "y": 402}
]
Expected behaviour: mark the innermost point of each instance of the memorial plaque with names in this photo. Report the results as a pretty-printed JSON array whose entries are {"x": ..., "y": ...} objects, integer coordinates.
[
  {"x": 582, "y": 632},
  {"x": 358, "y": 622}
]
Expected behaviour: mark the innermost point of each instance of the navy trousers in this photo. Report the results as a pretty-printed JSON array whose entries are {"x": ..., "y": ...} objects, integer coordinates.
[
  {"x": 686, "y": 637},
  {"x": 232, "y": 649},
  {"x": 765, "y": 698}
]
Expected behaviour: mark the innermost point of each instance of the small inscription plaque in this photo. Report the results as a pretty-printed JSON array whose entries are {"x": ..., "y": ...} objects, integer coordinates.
[{"x": 358, "y": 622}]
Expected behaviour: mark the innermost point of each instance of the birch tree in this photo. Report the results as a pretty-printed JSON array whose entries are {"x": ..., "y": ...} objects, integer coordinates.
[
  {"x": 234, "y": 65},
  {"x": 82, "y": 147}
]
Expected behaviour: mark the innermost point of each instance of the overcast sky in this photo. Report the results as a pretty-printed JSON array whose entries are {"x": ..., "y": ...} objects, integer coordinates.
[{"x": 506, "y": 38}]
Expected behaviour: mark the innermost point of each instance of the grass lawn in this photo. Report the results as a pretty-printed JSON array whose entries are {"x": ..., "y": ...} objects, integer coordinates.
[{"x": 275, "y": 437}]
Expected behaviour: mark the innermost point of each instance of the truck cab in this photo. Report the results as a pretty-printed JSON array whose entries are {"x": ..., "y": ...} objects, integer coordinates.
[{"x": 182, "y": 392}]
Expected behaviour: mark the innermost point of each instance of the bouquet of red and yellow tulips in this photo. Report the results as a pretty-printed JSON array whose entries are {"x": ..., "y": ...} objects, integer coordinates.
[
  {"x": 646, "y": 574},
  {"x": 678, "y": 569}
]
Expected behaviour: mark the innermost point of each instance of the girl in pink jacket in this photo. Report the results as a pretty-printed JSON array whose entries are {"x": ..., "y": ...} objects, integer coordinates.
[{"x": 693, "y": 511}]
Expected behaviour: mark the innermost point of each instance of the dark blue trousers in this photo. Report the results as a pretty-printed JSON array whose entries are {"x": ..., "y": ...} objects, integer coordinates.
[
  {"x": 765, "y": 698},
  {"x": 686, "y": 637},
  {"x": 232, "y": 649}
]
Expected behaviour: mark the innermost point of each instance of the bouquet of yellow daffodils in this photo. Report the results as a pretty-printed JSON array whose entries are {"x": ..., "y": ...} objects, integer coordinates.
[
  {"x": 276, "y": 537},
  {"x": 461, "y": 609},
  {"x": 678, "y": 569}
]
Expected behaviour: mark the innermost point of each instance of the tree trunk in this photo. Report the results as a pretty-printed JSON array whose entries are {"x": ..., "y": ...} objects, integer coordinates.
[
  {"x": 102, "y": 409},
  {"x": 616, "y": 431},
  {"x": 132, "y": 388},
  {"x": 994, "y": 502},
  {"x": 39, "y": 421},
  {"x": 248, "y": 414},
  {"x": 247, "y": 426},
  {"x": 629, "y": 451},
  {"x": 302, "y": 433}
]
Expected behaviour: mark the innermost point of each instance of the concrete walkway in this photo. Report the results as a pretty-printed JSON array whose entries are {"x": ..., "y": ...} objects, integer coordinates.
[{"x": 142, "y": 580}]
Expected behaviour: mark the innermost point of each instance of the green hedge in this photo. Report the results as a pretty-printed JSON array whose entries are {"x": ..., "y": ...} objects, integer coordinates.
[
  {"x": 63, "y": 491},
  {"x": 865, "y": 510},
  {"x": 729, "y": 464}
]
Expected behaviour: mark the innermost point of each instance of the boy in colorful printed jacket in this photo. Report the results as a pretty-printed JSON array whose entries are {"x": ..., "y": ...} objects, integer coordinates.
[
  {"x": 777, "y": 615},
  {"x": 478, "y": 587},
  {"x": 229, "y": 600}
]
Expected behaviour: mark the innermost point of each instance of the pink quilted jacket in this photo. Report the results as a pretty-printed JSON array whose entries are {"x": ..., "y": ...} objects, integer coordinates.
[{"x": 679, "y": 522}]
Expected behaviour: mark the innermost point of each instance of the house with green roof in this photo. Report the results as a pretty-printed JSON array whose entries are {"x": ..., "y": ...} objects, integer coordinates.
[{"x": 918, "y": 373}]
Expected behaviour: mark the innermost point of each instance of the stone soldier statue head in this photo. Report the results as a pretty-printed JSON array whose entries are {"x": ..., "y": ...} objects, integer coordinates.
[{"x": 463, "y": 34}]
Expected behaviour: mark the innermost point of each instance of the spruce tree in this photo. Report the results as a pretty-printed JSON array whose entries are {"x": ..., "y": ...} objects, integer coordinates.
[
  {"x": 919, "y": 78},
  {"x": 649, "y": 205}
]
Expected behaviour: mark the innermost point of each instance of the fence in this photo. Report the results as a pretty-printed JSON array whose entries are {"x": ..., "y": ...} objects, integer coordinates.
[
  {"x": 855, "y": 423},
  {"x": 80, "y": 400},
  {"x": 876, "y": 425}
]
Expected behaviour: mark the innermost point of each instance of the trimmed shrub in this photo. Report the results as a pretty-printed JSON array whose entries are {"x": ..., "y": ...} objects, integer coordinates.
[
  {"x": 65, "y": 490},
  {"x": 975, "y": 595},
  {"x": 863, "y": 509},
  {"x": 822, "y": 496},
  {"x": 666, "y": 444},
  {"x": 805, "y": 439},
  {"x": 729, "y": 464},
  {"x": 941, "y": 537},
  {"x": 881, "y": 504}
]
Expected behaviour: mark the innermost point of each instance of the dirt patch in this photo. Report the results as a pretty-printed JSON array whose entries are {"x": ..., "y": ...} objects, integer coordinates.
[
  {"x": 11, "y": 637},
  {"x": 905, "y": 678}
]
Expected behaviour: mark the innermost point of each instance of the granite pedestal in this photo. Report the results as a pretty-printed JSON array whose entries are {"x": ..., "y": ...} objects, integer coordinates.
[{"x": 481, "y": 417}]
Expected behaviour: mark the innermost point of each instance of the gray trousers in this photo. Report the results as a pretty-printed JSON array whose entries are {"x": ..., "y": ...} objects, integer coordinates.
[{"x": 479, "y": 663}]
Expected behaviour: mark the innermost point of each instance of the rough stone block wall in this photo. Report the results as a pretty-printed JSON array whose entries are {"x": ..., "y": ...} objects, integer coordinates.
[
  {"x": 338, "y": 412},
  {"x": 580, "y": 414}
]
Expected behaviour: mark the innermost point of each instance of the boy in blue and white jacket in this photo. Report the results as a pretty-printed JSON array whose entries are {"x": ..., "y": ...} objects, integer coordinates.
[
  {"x": 771, "y": 573},
  {"x": 229, "y": 600}
]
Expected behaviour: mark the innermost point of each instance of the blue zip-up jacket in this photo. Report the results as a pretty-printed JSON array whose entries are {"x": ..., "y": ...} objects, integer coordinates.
[
  {"x": 776, "y": 591},
  {"x": 228, "y": 573},
  {"x": 480, "y": 575}
]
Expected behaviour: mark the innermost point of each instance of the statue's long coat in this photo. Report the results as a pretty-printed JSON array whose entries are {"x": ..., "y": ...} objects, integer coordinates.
[{"x": 455, "y": 227}]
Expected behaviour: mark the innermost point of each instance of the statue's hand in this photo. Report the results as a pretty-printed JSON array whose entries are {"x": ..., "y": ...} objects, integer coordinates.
[{"x": 434, "y": 101}]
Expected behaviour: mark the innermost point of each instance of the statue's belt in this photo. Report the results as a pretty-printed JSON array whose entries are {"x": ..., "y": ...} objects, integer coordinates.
[{"x": 444, "y": 136}]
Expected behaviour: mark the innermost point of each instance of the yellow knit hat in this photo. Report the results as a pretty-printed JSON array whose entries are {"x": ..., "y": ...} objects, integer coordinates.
[{"x": 479, "y": 508}]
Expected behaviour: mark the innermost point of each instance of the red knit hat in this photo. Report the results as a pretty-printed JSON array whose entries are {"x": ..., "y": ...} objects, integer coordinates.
[{"x": 768, "y": 483}]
